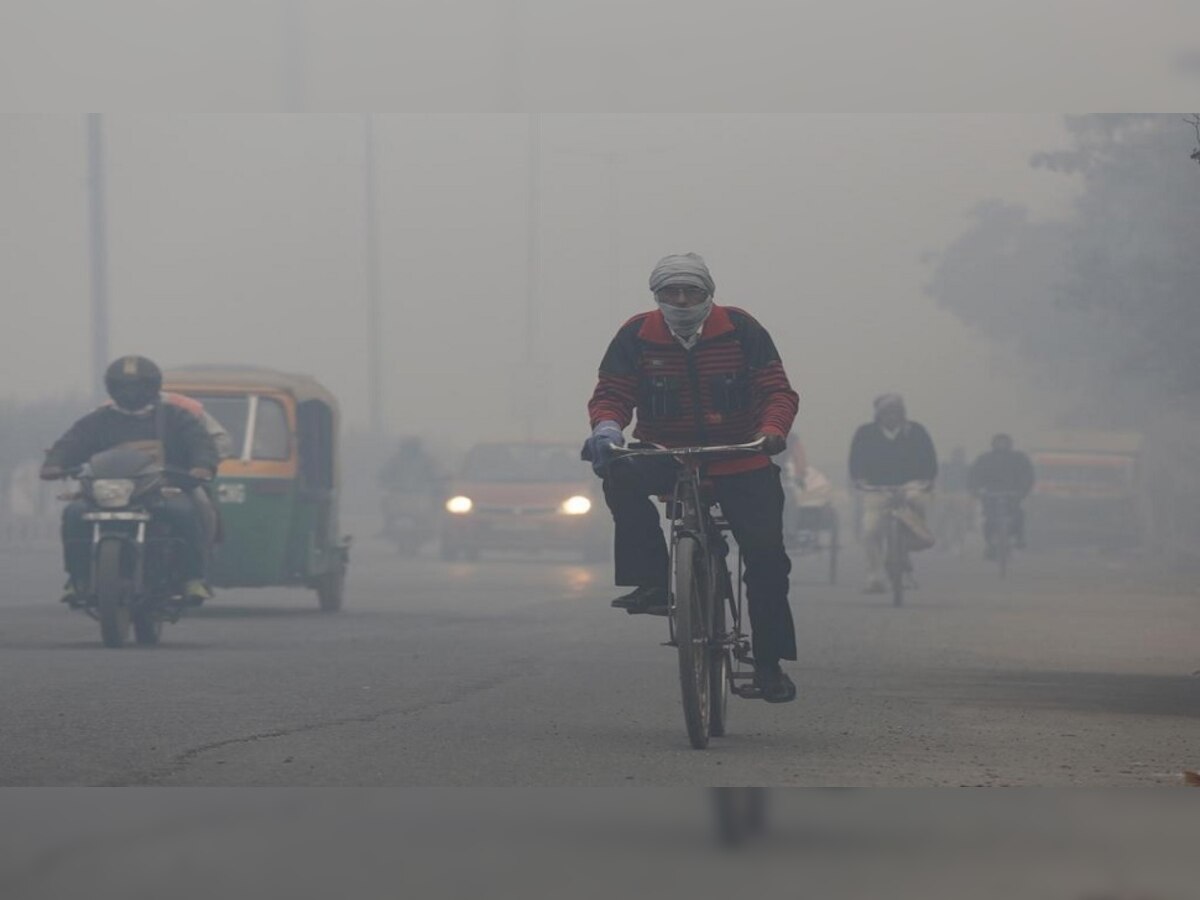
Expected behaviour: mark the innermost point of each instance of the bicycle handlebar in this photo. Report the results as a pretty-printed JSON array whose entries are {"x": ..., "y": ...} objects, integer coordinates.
[
  {"x": 889, "y": 488},
  {"x": 721, "y": 449}
]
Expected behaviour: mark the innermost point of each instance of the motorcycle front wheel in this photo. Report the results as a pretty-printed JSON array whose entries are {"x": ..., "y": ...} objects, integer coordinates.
[{"x": 112, "y": 602}]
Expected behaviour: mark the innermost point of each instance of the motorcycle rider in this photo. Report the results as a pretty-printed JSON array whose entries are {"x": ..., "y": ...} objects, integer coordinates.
[
  {"x": 411, "y": 485},
  {"x": 202, "y": 495},
  {"x": 698, "y": 373},
  {"x": 1002, "y": 470},
  {"x": 138, "y": 413},
  {"x": 891, "y": 451}
]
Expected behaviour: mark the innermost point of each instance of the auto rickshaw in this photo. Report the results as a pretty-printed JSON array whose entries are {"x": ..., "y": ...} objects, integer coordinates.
[{"x": 278, "y": 494}]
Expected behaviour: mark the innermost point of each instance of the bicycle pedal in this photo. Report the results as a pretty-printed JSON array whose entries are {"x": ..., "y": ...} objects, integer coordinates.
[{"x": 747, "y": 691}]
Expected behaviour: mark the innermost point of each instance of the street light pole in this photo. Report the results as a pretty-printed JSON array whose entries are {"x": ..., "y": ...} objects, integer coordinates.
[
  {"x": 374, "y": 314},
  {"x": 294, "y": 72},
  {"x": 533, "y": 275},
  {"x": 614, "y": 236},
  {"x": 98, "y": 247}
]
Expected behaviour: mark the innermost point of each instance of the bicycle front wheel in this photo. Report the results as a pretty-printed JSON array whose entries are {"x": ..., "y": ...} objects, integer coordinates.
[
  {"x": 1003, "y": 545},
  {"x": 894, "y": 561},
  {"x": 720, "y": 661},
  {"x": 692, "y": 618}
]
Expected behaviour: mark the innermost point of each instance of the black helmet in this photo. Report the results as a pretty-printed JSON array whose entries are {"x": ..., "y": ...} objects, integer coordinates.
[{"x": 133, "y": 382}]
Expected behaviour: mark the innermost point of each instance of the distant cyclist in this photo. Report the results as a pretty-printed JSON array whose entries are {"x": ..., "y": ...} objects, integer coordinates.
[
  {"x": 892, "y": 451},
  {"x": 1007, "y": 472}
]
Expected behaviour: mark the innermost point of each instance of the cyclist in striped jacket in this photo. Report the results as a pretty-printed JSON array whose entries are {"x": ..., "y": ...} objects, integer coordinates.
[{"x": 698, "y": 373}]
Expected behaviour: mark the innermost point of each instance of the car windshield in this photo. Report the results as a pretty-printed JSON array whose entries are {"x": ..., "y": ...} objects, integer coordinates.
[{"x": 526, "y": 463}]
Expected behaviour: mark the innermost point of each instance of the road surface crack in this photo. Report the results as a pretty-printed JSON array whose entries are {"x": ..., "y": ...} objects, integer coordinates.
[{"x": 181, "y": 761}]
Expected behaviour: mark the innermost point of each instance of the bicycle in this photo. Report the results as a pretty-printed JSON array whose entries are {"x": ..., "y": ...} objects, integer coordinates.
[
  {"x": 998, "y": 525},
  {"x": 897, "y": 562},
  {"x": 714, "y": 653}
]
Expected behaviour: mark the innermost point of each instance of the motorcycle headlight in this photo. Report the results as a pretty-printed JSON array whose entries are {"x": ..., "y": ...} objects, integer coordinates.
[
  {"x": 577, "y": 506},
  {"x": 112, "y": 492},
  {"x": 460, "y": 506}
]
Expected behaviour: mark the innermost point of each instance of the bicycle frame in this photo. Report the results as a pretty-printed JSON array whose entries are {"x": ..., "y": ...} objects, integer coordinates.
[
  {"x": 706, "y": 530},
  {"x": 688, "y": 503},
  {"x": 997, "y": 509},
  {"x": 896, "y": 556},
  {"x": 700, "y": 579}
]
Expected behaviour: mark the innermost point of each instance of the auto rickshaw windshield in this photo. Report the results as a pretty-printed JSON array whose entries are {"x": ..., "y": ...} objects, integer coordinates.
[{"x": 269, "y": 435}]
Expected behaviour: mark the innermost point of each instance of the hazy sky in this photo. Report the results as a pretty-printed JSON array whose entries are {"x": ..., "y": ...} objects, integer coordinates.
[
  {"x": 239, "y": 238},
  {"x": 595, "y": 55}
]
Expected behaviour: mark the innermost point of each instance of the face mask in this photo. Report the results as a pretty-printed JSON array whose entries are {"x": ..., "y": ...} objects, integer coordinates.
[
  {"x": 685, "y": 322},
  {"x": 133, "y": 398}
]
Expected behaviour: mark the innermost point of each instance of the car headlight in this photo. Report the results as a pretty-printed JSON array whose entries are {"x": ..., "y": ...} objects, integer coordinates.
[
  {"x": 460, "y": 506},
  {"x": 112, "y": 492},
  {"x": 577, "y": 506}
]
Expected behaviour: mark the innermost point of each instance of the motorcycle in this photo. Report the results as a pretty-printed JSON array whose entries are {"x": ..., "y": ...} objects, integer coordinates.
[
  {"x": 133, "y": 580},
  {"x": 409, "y": 520}
]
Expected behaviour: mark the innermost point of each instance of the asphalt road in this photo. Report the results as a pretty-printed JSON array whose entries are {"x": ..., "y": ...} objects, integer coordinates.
[{"x": 1074, "y": 671}]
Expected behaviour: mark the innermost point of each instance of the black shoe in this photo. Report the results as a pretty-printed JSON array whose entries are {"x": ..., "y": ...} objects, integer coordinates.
[
  {"x": 644, "y": 600},
  {"x": 772, "y": 684}
]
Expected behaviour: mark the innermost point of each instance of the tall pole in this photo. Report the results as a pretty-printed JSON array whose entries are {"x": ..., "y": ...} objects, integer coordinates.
[
  {"x": 533, "y": 273},
  {"x": 295, "y": 52},
  {"x": 374, "y": 317},
  {"x": 98, "y": 246},
  {"x": 614, "y": 237}
]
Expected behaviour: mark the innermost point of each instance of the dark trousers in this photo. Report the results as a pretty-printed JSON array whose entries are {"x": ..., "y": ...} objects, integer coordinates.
[
  {"x": 179, "y": 513},
  {"x": 752, "y": 503}
]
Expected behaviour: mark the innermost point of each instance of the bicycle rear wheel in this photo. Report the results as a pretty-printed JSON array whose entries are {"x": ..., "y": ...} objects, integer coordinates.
[{"x": 691, "y": 636}]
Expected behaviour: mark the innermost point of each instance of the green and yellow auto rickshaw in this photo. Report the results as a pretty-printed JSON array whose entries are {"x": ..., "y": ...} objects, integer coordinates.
[{"x": 278, "y": 492}]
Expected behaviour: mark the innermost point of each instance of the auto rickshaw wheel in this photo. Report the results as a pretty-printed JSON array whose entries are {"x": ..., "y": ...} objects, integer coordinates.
[{"x": 331, "y": 590}]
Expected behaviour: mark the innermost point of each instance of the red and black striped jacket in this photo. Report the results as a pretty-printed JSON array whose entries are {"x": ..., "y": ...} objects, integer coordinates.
[{"x": 729, "y": 387}]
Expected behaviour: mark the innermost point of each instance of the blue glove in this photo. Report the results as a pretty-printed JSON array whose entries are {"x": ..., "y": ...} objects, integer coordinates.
[{"x": 598, "y": 448}]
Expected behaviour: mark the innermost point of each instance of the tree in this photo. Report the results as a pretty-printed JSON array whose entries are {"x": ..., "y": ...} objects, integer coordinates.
[{"x": 1108, "y": 299}]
